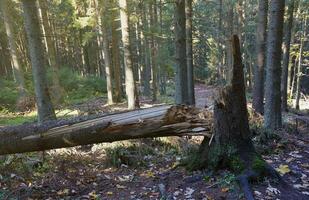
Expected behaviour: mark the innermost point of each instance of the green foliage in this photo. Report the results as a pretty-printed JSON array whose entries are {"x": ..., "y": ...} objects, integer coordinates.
[
  {"x": 11, "y": 119},
  {"x": 79, "y": 88},
  {"x": 8, "y": 95},
  {"x": 258, "y": 165},
  {"x": 236, "y": 164}
]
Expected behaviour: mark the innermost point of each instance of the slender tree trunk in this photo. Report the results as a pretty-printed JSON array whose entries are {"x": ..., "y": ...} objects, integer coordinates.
[
  {"x": 230, "y": 26},
  {"x": 219, "y": 38},
  {"x": 130, "y": 83},
  {"x": 154, "y": 48},
  {"x": 180, "y": 53},
  {"x": 57, "y": 91},
  {"x": 286, "y": 56},
  {"x": 116, "y": 59},
  {"x": 300, "y": 68},
  {"x": 258, "y": 79},
  {"x": 107, "y": 67},
  {"x": 32, "y": 26},
  {"x": 191, "y": 95},
  {"x": 17, "y": 69},
  {"x": 273, "y": 116},
  {"x": 147, "y": 66}
]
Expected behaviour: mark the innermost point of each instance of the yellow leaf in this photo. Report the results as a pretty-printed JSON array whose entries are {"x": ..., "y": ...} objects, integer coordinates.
[
  {"x": 150, "y": 174},
  {"x": 225, "y": 189},
  {"x": 109, "y": 193},
  {"x": 283, "y": 169}
]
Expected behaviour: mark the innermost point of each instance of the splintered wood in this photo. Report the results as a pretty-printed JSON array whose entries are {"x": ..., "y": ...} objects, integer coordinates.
[{"x": 158, "y": 121}]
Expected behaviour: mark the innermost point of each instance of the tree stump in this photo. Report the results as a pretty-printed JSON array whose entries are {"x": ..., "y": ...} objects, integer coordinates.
[{"x": 231, "y": 146}]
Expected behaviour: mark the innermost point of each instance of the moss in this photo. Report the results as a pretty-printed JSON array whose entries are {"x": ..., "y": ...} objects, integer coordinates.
[
  {"x": 258, "y": 164},
  {"x": 236, "y": 164}
]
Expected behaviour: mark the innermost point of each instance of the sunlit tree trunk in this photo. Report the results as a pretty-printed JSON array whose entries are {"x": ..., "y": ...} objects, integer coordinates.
[
  {"x": 219, "y": 41},
  {"x": 36, "y": 49},
  {"x": 57, "y": 91},
  {"x": 272, "y": 109},
  {"x": 129, "y": 79},
  {"x": 258, "y": 79},
  {"x": 17, "y": 69},
  {"x": 153, "y": 46},
  {"x": 299, "y": 74},
  {"x": 230, "y": 30}
]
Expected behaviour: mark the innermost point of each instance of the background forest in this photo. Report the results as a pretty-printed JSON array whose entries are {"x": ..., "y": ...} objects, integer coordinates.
[{"x": 83, "y": 58}]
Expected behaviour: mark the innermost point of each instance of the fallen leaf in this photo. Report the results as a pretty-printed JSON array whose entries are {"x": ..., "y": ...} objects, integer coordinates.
[
  {"x": 109, "y": 193},
  {"x": 272, "y": 190},
  {"x": 189, "y": 192},
  {"x": 121, "y": 186},
  {"x": 63, "y": 192},
  {"x": 226, "y": 189},
  {"x": 283, "y": 169}
]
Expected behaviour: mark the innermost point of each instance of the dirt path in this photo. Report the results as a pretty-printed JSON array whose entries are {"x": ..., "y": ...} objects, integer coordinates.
[{"x": 204, "y": 95}]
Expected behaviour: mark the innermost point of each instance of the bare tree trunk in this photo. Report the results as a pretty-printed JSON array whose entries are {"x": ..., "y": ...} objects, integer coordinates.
[
  {"x": 180, "y": 54},
  {"x": 130, "y": 83},
  {"x": 17, "y": 69},
  {"x": 300, "y": 68},
  {"x": 258, "y": 81},
  {"x": 191, "y": 95},
  {"x": 273, "y": 115},
  {"x": 56, "y": 91},
  {"x": 147, "y": 66},
  {"x": 32, "y": 26},
  {"x": 116, "y": 59},
  {"x": 286, "y": 56},
  {"x": 219, "y": 38},
  {"x": 230, "y": 27}
]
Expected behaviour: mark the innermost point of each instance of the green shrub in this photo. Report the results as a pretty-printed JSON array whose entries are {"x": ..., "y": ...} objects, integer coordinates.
[{"x": 8, "y": 94}]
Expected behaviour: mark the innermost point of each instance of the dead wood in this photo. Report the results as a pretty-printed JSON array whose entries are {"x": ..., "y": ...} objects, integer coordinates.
[{"x": 151, "y": 122}]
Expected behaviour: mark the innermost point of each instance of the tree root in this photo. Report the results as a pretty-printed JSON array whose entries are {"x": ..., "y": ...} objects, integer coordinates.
[{"x": 248, "y": 175}]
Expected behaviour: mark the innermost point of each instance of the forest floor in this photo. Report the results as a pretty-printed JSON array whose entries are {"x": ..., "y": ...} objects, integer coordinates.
[{"x": 152, "y": 168}]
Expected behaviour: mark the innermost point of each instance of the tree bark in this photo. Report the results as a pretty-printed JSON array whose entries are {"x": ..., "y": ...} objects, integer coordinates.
[
  {"x": 273, "y": 115},
  {"x": 56, "y": 91},
  {"x": 286, "y": 56},
  {"x": 258, "y": 81},
  {"x": 230, "y": 27},
  {"x": 116, "y": 59},
  {"x": 17, "y": 69},
  {"x": 300, "y": 68},
  {"x": 151, "y": 122},
  {"x": 147, "y": 66},
  {"x": 180, "y": 53},
  {"x": 32, "y": 26},
  {"x": 231, "y": 146},
  {"x": 130, "y": 83},
  {"x": 154, "y": 48},
  {"x": 191, "y": 95}
]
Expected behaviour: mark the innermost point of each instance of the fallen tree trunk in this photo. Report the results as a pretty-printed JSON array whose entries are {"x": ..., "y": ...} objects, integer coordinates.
[{"x": 151, "y": 122}]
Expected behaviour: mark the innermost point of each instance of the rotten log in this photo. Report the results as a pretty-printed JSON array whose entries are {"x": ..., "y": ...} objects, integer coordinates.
[{"x": 158, "y": 121}]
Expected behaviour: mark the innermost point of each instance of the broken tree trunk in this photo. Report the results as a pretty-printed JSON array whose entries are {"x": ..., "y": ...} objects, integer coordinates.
[
  {"x": 232, "y": 147},
  {"x": 151, "y": 122}
]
